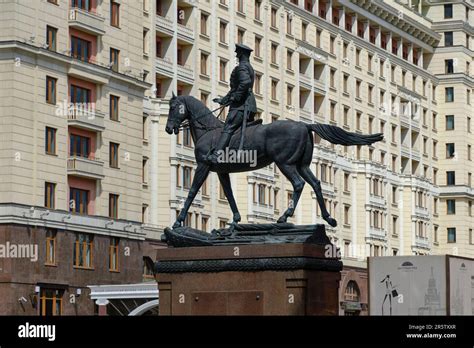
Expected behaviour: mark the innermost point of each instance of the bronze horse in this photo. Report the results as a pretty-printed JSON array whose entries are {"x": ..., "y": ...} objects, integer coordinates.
[{"x": 287, "y": 143}]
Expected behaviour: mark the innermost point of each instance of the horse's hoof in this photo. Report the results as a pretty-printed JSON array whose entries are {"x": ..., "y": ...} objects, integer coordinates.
[
  {"x": 281, "y": 220},
  {"x": 332, "y": 222},
  {"x": 176, "y": 224}
]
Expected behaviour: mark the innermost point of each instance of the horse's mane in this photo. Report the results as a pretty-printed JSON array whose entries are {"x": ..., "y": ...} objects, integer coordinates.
[{"x": 199, "y": 108}]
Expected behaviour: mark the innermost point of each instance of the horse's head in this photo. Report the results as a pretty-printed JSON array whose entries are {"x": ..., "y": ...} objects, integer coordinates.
[{"x": 177, "y": 114}]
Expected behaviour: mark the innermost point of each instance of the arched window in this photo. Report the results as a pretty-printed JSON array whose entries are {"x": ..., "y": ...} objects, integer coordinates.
[{"x": 352, "y": 292}]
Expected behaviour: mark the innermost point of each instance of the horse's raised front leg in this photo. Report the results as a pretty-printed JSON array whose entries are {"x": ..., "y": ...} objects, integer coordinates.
[
  {"x": 291, "y": 173},
  {"x": 308, "y": 175},
  {"x": 224, "y": 178},
  {"x": 202, "y": 171}
]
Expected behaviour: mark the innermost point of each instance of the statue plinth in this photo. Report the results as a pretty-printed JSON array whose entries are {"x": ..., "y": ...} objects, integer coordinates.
[{"x": 253, "y": 278}]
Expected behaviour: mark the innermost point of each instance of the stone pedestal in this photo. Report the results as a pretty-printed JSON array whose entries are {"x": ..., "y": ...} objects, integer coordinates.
[{"x": 255, "y": 279}]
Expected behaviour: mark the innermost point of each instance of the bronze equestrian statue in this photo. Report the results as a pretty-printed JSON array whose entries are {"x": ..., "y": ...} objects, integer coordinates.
[{"x": 288, "y": 144}]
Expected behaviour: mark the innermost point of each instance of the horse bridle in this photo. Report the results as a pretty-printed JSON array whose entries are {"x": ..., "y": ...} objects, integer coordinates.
[{"x": 201, "y": 125}]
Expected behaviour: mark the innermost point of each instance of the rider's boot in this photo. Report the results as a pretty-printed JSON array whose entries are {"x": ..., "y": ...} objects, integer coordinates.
[{"x": 223, "y": 142}]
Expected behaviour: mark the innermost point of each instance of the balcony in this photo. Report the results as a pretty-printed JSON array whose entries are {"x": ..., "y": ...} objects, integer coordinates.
[
  {"x": 305, "y": 81},
  {"x": 90, "y": 168},
  {"x": 420, "y": 211},
  {"x": 377, "y": 200},
  {"x": 319, "y": 86},
  {"x": 86, "y": 21},
  {"x": 164, "y": 24},
  {"x": 86, "y": 119},
  {"x": 305, "y": 115},
  {"x": 377, "y": 233},
  {"x": 422, "y": 242},
  {"x": 185, "y": 33},
  {"x": 185, "y": 74},
  {"x": 164, "y": 66}
]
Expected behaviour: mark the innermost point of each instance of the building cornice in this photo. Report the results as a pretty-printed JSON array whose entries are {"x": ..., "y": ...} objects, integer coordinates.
[
  {"x": 20, "y": 214},
  {"x": 454, "y": 25},
  {"x": 96, "y": 69},
  {"x": 456, "y": 78},
  {"x": 336, "y": 30}
]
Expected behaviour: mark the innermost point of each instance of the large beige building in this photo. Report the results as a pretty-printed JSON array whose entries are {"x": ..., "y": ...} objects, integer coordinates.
[
  {"x": 403, "y": 68},
  {"x": 73, "y": 156}
]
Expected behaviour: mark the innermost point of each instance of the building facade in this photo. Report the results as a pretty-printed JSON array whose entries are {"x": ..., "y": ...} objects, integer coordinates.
[
  {"x": 403, "y": 68},
  {"x": 73, "y": 184}
]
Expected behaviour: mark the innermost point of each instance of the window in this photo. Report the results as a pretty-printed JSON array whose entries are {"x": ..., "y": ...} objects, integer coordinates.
[
  {"x": 289, "y": 58},
  {"x": 50, "y": 247},
  {"x": 468, "y": 125},
  {"x": 113, "y": 206},
  {"x": 261, "y": 194},
  {"x": 451, "y": 235},
  {"x": 451, "y": 206},
  {"x": 332, "y": 45},
  {"x": 449, "y": 66},
  {"x": 352, "y": 292},
  {"x": 346, "y": 83},
  {"x": 450, "y": 150},
  {"x": 369, "y": 63},
  {"x": 187, "y": 138},
  {"x": 49, "y": 195},
  {"x": 346, "y": 215},
  {"x": 114, "y": 108},
  {"x": 222, "y": 70},
  {"x": 113, "y": 254},
  {"x": 274, "y": 89},
  {"x": 346, "y": 182},
  {"x": 204, "y": 58},
  {"x": 114, "y": 14},
  {"x": 187, "y": 172},
  {"x": 222, "y": 31},
  {"x": 449, "y": 94},
  {"x": 51, "y": 302},
  {"x": 240, "y": 36},
  {"x": 258, "y": 44},
  {"x": 448, "y": 38},
  {"x": 289, "y": 92},
  {"x": 449, "y": 122},
  {"x": 257, "y": 9},
  {"x": 204, "y": 18},
  {"x": 83, "y": 250},
  {"x": 82, "y": 4},
  {"x": 450, "y": 178},
  {"x": 113, "y": 155},
  {"x": 50, "y": 141},
  {"x": 80, "y": 49},
  {"x": 318, "y": 38},
  {"x": 114, "y": 59},
  {"x": 51, "y": 34},
  {"x": 357, "y": 62},
  {"x": 78, "y": 200},
  {"x": 370, "y": 94},
  {"x": 51, "y": 90},
  {"x": 79, "y": 146},
  {"x": 240, "y": 6},
  {"x": 469, "y": 155},
  {"x": 358, "y": 120},
  {"x": 332, "y": 78},
  {"x": 258, "y": 83},
  {"x": 145, "y": 213},
  {"x": 273, "y": 19},
  {"x": 448, "y": 11},
  {"x": 304, "y": 27},
  {"x": 273, "y": 52}
]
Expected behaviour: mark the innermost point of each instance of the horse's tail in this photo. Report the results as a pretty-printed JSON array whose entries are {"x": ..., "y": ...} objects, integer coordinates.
[{"x": 339, "y": 136}]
